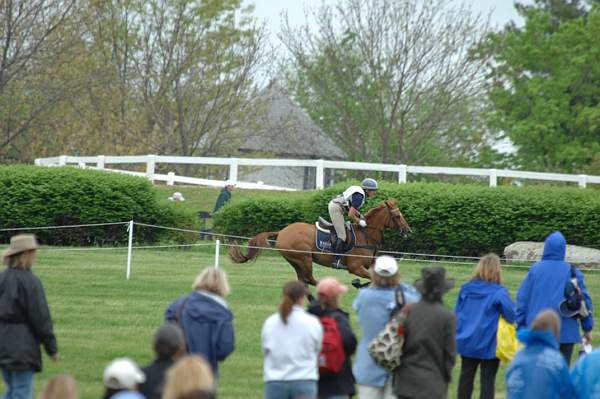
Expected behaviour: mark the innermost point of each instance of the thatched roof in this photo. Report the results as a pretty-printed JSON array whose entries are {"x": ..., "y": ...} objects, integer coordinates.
[{"x": 285, "y": 129}]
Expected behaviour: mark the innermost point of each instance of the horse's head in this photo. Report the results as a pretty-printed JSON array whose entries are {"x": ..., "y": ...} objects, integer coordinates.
[
  {"x": 396, "y": 219},
  {"x": 388, "y": 216}
]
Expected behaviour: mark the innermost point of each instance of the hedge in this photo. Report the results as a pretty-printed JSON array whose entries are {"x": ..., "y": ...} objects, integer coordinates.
[
  {"x": 36, "y": 196},
  {"x": 446, "y": 218}
]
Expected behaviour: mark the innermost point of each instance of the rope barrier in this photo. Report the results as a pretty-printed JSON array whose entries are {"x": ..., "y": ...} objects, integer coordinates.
[
  {"x": 407, "y": 256},
  {"x": 63, "y": 227}
]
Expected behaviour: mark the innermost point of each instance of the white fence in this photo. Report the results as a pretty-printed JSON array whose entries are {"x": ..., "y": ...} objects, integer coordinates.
[{"x": 320, "y": 165}]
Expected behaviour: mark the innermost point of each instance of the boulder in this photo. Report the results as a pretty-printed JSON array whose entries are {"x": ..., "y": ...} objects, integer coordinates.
[{"x": 530, "y": 251}]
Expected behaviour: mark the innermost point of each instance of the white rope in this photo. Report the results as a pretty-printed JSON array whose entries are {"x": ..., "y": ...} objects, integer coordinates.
[
  {"x": 124, "y": 248},
  {"x": 63, "y": 227},
  {"x": 193, "y": 231}
]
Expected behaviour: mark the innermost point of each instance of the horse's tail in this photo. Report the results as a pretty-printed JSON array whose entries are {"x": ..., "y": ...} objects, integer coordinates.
[{"x": 254, "y": 247}]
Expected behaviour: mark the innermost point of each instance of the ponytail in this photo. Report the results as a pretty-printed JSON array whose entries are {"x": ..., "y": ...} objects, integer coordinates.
[{"x": 292, "y": 292}]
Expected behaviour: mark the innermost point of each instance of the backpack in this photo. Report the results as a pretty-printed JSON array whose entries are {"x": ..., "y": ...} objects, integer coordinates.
[
  {"x": 386, "y": 348},
  {"x": 572, "y": 292},
  {"x": 332, "y": 355}
]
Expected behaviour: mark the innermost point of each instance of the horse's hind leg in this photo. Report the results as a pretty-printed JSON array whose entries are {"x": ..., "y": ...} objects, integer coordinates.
[{"x": 303, "y": 266}]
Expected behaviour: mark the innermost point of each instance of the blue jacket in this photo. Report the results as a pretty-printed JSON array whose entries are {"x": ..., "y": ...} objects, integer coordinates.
[
  {"x": 543, "y": 288},
  {"x": 207, "y": 325},
  {"x": 478, "y": 308},
  {"x": 585, "y": 376},
  {"x": 539, "y": 370},
  {"x": 374, "y": 306}
]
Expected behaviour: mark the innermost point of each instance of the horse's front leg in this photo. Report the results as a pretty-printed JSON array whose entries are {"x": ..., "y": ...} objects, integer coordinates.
[{"x": 359, "y": 266}]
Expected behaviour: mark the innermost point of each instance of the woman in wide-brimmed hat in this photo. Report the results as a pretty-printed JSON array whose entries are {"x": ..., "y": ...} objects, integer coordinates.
[
  {"x": 24, "y": 319},
  {"x": 429, "y": 346}
]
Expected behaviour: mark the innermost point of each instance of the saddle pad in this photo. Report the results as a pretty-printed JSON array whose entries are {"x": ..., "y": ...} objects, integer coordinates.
[{"x": 323, "y": 240}]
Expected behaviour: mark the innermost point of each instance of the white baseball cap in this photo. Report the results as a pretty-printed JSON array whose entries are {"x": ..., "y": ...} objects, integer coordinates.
[
  {"x": 385, "y": 266},
  {"x": 123, "y": 373}
]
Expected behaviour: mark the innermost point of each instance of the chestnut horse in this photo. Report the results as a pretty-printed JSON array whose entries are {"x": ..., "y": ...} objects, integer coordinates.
[{"x": 296, "y": 243}]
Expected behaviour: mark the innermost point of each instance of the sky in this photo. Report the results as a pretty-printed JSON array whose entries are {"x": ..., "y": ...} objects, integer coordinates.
[{"x": 269, "y": 11}]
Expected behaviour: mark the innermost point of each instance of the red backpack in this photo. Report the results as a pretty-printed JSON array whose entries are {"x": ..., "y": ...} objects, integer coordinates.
[{"x": 332, "y": 355}]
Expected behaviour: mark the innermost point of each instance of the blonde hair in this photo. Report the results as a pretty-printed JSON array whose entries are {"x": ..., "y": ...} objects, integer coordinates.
[
  {"x": 22, "y": 260},
  {"x": 384, "y": 281},
  {"x": 61, "y": 386},
  {"x": 190, "y": 373},
  {"x": 213, "y": 280},
  {"x": 488, "y": 269}
]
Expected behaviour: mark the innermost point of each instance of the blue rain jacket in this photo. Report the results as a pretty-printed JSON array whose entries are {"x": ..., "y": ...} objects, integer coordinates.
[
  {"x": 586, "y": 377},
  {"x": 543, "y": 288},
  {"x": 539, "y": 370},
  {"x": 478, "y": 307},
  {"x": 207, "y": 326}
]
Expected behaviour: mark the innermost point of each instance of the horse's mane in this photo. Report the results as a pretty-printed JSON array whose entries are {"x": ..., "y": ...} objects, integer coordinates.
[{"x": 391, "y": 203}]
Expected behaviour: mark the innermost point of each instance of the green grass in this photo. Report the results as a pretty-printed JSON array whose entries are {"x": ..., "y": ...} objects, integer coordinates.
[{"x": 98, "y": 315}]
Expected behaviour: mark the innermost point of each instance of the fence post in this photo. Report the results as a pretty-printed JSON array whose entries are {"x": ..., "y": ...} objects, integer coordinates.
[
  {"x": 217, "y": 246},
  {"x": 493, "y": 178},
  {"x": 170, "y": 178},
  {"x": 81, "y": 164},
  {"x": 402, "y": 174},
  {"x": 233, "y": 169},
  {"x": 320, "y": 176},
  {"x": 100, "y": 162},
  {"x": 129, "y": 247},
  {"x": 62, "y": 160},
  {"x": 150, "y": 164},
  {"x": 582, "y": 181},
  {"x": 38, "y": 162}
]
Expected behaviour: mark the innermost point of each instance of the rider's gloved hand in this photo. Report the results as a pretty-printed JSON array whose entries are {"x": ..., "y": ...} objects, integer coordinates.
[{"x": 362, "y": 223}]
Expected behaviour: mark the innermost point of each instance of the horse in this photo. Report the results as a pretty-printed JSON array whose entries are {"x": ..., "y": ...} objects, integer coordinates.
[{"x": 296, "y": 243}]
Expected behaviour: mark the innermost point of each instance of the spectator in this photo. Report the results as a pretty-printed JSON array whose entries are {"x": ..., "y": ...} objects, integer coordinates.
[
  {"x": 25, "y": 320},
  {"x": 169, "y": 345},
  {"x": 177, "y": 197},
  {"x": 62, "y": 386},
  {"x": 291, "y": 341},
  {"x": 585, "y": 376},
  {"x": 225, "y": 195},
  {"x": 543, "y": 288},
  {"x": 122, "y": 378},
  {"x": 339, "y": 385},
  {"x": 374, "y": 306},
  {"x": 429, "y": 346},
  {"x": 539, "y": 370},
  {"x": 190, "y": 378},
  {"x": 480, "y": 303},
  {"x": 205, "y": 318}
]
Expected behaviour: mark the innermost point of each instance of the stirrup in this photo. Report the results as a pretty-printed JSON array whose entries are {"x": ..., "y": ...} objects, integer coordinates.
[{"x": 337, "y": 264}]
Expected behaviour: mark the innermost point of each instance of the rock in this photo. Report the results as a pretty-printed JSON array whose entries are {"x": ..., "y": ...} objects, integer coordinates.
[{"x": 530, "y": 251}]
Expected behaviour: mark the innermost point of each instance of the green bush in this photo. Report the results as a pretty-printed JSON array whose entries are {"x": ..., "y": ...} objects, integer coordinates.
[
  {"x": 35, "y": 196},
  {"x": 447, "y": 218}
]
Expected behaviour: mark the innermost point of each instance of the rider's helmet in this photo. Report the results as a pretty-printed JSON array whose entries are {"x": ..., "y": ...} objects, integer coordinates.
[{"x": 369, "y": 184}]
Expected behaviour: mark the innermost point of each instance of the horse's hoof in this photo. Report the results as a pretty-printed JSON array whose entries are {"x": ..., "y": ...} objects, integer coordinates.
[{"x": 356, "y": 283}]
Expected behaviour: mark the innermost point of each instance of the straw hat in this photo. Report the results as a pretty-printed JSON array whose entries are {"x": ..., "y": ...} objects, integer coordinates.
[{"x": 20, "y": 243}]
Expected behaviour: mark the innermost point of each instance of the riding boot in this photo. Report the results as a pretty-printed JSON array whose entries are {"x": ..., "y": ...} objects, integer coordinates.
[{"x": 338, "y": 248}]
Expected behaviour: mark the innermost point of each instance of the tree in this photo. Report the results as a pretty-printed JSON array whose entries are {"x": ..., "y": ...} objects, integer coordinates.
[
  {"x": 392, "y": 80},
  {"x": 29, "y": 42},
  {"x": 545, "y": 81}
]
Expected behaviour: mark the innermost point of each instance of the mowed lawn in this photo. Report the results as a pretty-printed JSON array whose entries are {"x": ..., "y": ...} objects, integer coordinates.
[{"x": 98, "y": 315}]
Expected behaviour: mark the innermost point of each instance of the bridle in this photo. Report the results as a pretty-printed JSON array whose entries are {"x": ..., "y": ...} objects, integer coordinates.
[{"x": 377, "y": 244}]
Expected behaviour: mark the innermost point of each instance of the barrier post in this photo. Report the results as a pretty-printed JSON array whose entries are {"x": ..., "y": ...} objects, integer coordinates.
[
  {"x": 402, "y": 174},
  {"x": 493, "y": 178},
  {"x": 150, "y": 163},
  {"x": 320, "y": 177},
  {"x": 233, "y": 169},
  {"x": 129, "y": 247},
  {"x": 582, "y": 181},
  {"x": 170, "y": 178},
  {"x": 217, "y": 246},
  {"x": 100, "y": 162}
]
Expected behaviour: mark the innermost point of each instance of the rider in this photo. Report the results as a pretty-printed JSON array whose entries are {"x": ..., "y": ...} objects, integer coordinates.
[{"x": 350, "y": 201}]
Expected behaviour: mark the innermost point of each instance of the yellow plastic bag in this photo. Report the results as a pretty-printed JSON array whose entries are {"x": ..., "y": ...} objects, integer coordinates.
[{"x": 506, "y": 341}]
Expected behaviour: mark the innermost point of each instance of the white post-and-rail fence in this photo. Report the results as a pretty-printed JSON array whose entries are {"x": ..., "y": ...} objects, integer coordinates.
[{"x": 320, "y": 165}]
